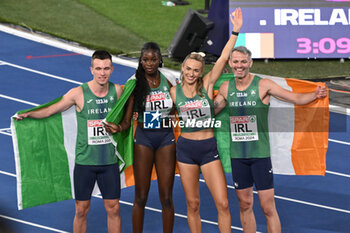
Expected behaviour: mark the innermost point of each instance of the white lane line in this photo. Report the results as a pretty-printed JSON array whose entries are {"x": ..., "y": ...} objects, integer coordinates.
[
  {"x": 338, "y": 174},
  {"x": 231, "y": 187},
  {"x": 18, "y": 100},
  {"x": 298, "y": 201},
  {"x": 58, "y": 43},
  {"x": 7, "y": 173},
  {"x": 41, "y": 73},
  {"x": 290, "y": 199},
  {"x": 338, "y": 109},
  {"x": 6, "y": 131},
  {"x": 33, "y": 224},
  {"x": 122, "y": 202},
  {"x": 309, "y": 203},
  {"x": 340, "y": 142},
  {"x": 177, "y": 215},
  {"x": 313, "y": 204}
]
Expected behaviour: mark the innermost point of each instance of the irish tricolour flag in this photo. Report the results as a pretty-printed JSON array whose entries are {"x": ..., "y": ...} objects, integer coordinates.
[
  {"x": 44, "y": 149},
  {"x": 298, "y": 134},
  {"x": 260, "y": 44},
  {"x": 45, "y": 153}
]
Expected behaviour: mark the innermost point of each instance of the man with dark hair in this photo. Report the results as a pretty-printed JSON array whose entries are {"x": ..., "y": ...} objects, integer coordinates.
[
  {"x": 95, "y": 159},
  {"x": 248, "y": 97}
]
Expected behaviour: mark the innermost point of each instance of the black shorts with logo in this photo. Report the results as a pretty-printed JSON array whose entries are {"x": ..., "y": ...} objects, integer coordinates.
[
  {"x": 246, "y": 172},
  {"x": 154, "y": 138},
  {"x": 198, "y": 152},
  {"x": 107, "y": 177}
]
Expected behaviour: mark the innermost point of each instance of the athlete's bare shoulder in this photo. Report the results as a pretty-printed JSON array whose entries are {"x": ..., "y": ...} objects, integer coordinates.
[{"x": 119, "y": 90}]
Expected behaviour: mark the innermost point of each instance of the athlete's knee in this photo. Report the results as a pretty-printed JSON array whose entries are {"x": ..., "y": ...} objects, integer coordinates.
[
  {"x": 140, "y": 200},
  {"x": 269, "y": 210},
  {"x": 246, "y": 204},
  {"x": 222, "y": 206},
  {"x": 81, "y": 211},
  {"x": 267, "y": 203},
  {"x": 193, "y": 205},
  {"x": 112, "y": 208},
  {"x": 167, "y": 202}
]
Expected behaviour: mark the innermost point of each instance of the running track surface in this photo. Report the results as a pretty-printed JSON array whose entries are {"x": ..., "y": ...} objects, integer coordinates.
[{"x": 35, "y": 73}]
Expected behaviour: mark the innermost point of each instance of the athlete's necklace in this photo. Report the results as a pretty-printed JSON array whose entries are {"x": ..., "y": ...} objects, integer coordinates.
[{"x": 153, "y": 81}]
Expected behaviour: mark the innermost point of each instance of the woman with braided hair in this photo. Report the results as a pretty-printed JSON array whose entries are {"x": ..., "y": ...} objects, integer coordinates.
[{"x": 151, "y": 146}]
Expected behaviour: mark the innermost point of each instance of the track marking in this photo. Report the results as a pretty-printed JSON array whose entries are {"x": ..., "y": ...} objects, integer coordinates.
[
  {"x": 41, "y": 73},
  {"x": 62, "y": 45},
  {"x": 309, "y": 203},
  {"x": 18, "y": 100},
  {"x": 340, "y": 142},
  {"x": 297, "y": 201},
  {"x": 177, "y": 215},
  {"x": 6, "y": 131},
  {"x": 0, "y": 63},
  {"x": 202, "y": 220},
  {"x": 58, "y": 43},
  {"x": 338, "y": 109},
  {"x": 339, "y": 91},
  {"x": 231, "y": 187},
  {"x": 55, "y": 55},
  {"x": 33, "y": 224},
  {"x": 7, "y": 173},
  {"x": 338, "y": 174},
  {"x": 313, "y": 204}
]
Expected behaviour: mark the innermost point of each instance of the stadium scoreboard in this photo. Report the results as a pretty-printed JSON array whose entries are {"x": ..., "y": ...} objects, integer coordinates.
[{"x": 295, "y": 29}]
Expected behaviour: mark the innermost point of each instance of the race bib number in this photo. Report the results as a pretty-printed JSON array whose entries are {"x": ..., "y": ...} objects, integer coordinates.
[
  {"x": 243, "y": 128},
  {"x": 96, "y": 133},
  {"x": 198, "y": 110},
  {"x": 159, "y": 101}
]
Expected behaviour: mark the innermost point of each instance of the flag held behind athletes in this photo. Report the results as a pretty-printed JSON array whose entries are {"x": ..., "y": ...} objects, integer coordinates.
[
  {"x": 43, "y": 173},
  {"x": 44, "y": 148},
  {"x": 44, "y": 152},
  {"x": 298, "y": 134}
]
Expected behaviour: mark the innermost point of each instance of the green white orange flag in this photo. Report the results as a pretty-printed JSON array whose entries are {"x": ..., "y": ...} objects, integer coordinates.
[
  {"x": 124, "y": 141},
  {"x": 44, "y": 152},
  {"x": 45, "y": 148},
  {"x": 44, "y": 157},
  {"x": 298, "y": 134}
]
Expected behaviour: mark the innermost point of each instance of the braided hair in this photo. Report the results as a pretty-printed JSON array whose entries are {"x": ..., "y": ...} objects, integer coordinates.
[{"x": 142, "y": 88}]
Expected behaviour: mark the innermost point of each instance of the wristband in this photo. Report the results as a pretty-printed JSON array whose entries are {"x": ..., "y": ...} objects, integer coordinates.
[{"x": 235, "y": 33}]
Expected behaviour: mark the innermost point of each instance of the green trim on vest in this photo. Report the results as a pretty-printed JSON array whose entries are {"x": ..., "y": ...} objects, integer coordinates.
[
  {"x": 197, "y": 109},
  {"x": 93, "y": 146},
  {"x": 248, "y": 122}
]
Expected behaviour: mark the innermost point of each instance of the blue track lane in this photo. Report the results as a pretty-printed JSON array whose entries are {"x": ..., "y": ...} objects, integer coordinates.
[{"x": 306, "y": 204}]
